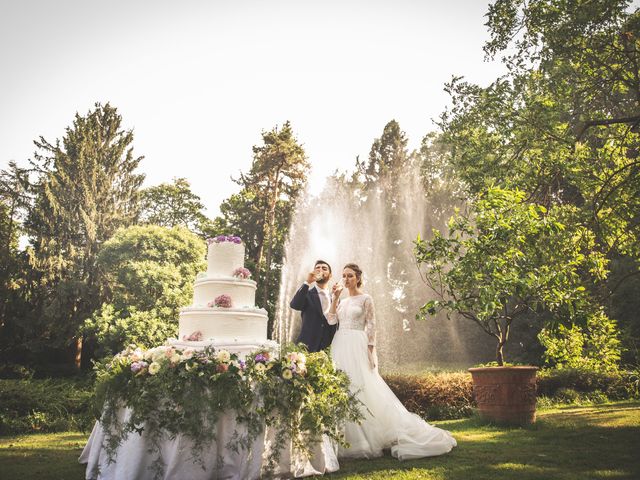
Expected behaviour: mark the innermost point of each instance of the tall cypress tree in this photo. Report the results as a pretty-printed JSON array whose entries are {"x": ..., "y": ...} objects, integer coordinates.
[{"x": 87, "y": 189}]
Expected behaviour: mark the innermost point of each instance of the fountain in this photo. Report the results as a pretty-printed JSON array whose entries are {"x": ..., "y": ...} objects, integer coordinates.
[{"x": 375, "y": 228}]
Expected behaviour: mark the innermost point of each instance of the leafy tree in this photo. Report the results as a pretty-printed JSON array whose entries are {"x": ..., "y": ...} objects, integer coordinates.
[
  {"x": 148, "y": 276},
  {"x": 507, "y": 258},
  {"x": 173, "y": 205},
  {"x": 563, "y": 125},
  {"x": 87, "y": 188},
  {"x": 261, "y": 212}
]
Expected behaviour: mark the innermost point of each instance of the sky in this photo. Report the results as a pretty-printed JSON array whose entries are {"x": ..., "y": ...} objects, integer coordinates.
[{"x": 198, "y": 81}]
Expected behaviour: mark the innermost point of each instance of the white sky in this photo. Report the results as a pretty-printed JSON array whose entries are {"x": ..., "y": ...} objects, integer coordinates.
[{"x": 199, "y": 80}]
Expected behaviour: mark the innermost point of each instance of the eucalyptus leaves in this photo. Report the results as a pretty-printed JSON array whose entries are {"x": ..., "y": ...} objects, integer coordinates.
[{"x": 299, "y": 395}]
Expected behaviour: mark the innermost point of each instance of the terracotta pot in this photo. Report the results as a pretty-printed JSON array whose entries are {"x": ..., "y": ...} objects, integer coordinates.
[{"x": 505, "y": 394}]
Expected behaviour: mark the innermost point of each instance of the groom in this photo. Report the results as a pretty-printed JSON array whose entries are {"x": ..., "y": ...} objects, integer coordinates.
[{"x": 314, "y": 300}]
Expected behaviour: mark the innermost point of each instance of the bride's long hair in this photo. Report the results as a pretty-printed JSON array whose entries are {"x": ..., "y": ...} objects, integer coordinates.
[{"x": 357, "y": 271}]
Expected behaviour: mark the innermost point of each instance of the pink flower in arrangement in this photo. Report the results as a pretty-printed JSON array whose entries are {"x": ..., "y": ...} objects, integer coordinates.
[
  {"x": 223, "y": 301},
  {"x": 222, "y": 367},
  {"x": 224, "y": 238},
  {"x": 194, "y": 337},
  {"x": 241, "y": 272}
]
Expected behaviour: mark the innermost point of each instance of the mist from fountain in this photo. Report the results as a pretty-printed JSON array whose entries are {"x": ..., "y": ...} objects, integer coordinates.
[{"x": 376, "y": 229}]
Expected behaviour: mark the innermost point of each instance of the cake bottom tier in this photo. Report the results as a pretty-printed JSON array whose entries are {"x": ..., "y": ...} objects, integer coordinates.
[{"x": 231, "y": 325}]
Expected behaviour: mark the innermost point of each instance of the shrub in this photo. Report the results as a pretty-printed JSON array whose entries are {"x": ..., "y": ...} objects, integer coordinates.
[
  {"x": 435, "y": 396},
  {"x": 614, "y": 385},
  {"x": 15, "y": 371},
  {"x": 44, "y": 406}
]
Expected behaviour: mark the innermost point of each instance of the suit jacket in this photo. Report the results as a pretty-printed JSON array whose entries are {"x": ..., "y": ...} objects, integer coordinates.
[{"x": 316, "y": 333}]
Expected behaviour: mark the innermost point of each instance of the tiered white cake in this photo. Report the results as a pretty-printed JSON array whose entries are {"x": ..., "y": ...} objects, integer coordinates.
[{"x": 224, "y": 314}]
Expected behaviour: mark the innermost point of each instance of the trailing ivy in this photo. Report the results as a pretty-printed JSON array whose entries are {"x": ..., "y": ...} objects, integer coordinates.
[{"x": 170, "y": 392}]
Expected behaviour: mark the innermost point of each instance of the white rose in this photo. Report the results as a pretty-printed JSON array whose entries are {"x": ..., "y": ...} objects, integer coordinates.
[
  {"x": 223, "y": 356},
  {"x": 154, "y": 368},
  {"x": 175, "y": 358},
  {"x": 302, "y": 358}
]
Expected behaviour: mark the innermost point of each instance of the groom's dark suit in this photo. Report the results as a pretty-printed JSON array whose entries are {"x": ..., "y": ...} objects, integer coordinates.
[{"x": 316, "y": 333}]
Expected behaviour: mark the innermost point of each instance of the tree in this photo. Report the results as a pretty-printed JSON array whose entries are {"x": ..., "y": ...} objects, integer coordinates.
[
  {"x": 262, "y": 211},
  {"x": 87, "y": 188},
  {"x": 172, "y": 205},
  {"x": 149, "y": 273},
  {"x": 563, "y": 125},
  {"x": 507, "y": 258},
  {"x": 14, "y": 200}
]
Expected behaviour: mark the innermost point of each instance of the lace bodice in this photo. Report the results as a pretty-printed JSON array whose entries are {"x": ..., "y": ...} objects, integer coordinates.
[{"x": 356, "y": 313}]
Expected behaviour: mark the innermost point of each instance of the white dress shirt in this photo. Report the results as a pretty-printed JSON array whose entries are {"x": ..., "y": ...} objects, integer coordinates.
[{"x": 323, "y": 294}]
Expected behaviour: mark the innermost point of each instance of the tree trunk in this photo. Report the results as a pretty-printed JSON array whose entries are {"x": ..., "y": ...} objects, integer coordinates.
[
  {"x": 78, "y": 353},
  {"x": 499, "y": 354}
]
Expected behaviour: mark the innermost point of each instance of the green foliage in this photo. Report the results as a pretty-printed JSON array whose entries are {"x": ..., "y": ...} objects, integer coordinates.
[
  {"x": 300, "y": 396},
  {"x": 28, "y": 406},
  {"x": 86, "y": 189},
  {"x": 174, "y": 205},
  {"x": 594, "y": 347},
  {"x": 261, "y": 212},
  {"x": 563, "y": 126},
  {"x": 14, "y": 266},
  {"x": 434, "y": 396},
  {"x": 505, "y": 258},
  {"x": 616, "y": 385},
  {"x": 148, "y": 276}
]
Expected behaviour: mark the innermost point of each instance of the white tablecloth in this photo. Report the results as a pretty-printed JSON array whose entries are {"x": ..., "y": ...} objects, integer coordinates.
[{"x": 133, "y": 459}]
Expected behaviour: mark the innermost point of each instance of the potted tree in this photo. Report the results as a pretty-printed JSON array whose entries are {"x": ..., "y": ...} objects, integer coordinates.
[{"x": 503, "y": 259}]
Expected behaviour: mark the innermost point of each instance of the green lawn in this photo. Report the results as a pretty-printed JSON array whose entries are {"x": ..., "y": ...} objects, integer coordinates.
[{"x": 600, "y": 442}]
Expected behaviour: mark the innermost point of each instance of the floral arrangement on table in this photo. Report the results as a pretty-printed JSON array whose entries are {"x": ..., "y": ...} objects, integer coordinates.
[
  {"x": 221, "y": 301},
  {"x": 303, "y": 397},
  {"x": 172, "y": 391},
  {"x": 224, "y": 238},
  {"x": 242, "y": 272}
]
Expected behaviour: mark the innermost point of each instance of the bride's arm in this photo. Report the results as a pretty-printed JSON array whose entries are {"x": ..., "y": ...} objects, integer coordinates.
[
  {"x": 370, "y": 322},
  {"x": 332, "y": 315}
]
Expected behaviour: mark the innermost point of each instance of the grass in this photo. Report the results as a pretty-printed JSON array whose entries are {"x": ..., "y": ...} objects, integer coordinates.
[{"x": 567, "y": 443}]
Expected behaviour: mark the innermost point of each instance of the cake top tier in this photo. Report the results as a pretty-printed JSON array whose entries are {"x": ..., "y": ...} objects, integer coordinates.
[
  {"x": 224, "y": 238},
  {"x": 225, "y": 256}
]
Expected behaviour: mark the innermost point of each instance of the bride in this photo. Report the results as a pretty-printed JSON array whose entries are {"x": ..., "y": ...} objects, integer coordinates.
[{"x": 387, "y": 423}]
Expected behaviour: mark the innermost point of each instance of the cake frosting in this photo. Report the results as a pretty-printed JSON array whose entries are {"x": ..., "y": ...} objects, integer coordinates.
[{"x": 223, "y": 313}]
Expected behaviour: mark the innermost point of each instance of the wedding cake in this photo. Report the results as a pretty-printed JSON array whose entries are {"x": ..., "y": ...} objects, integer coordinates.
[{"x": 224, "y": 313}]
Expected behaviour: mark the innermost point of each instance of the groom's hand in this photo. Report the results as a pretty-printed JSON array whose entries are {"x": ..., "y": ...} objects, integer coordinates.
[{"x": 311, "y": 277}]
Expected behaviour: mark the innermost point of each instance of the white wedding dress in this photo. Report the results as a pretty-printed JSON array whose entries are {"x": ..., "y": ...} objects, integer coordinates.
[{"x": 387, "y": 423}]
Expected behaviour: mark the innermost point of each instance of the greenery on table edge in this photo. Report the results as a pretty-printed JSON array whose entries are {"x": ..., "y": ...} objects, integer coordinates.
[{"x": 169, "y": 391}]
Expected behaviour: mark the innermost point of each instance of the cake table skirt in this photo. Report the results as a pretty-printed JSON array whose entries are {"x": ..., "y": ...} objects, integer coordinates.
[{"x": 133, "y": 461}]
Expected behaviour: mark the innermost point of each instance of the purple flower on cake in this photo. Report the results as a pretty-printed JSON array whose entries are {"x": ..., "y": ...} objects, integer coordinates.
[
  {"x": 194, "y": 337},
  {"x": 241, "y": 272},
  {"x": 224, "y": 238},
  {"x": 223, "y": 301}
]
